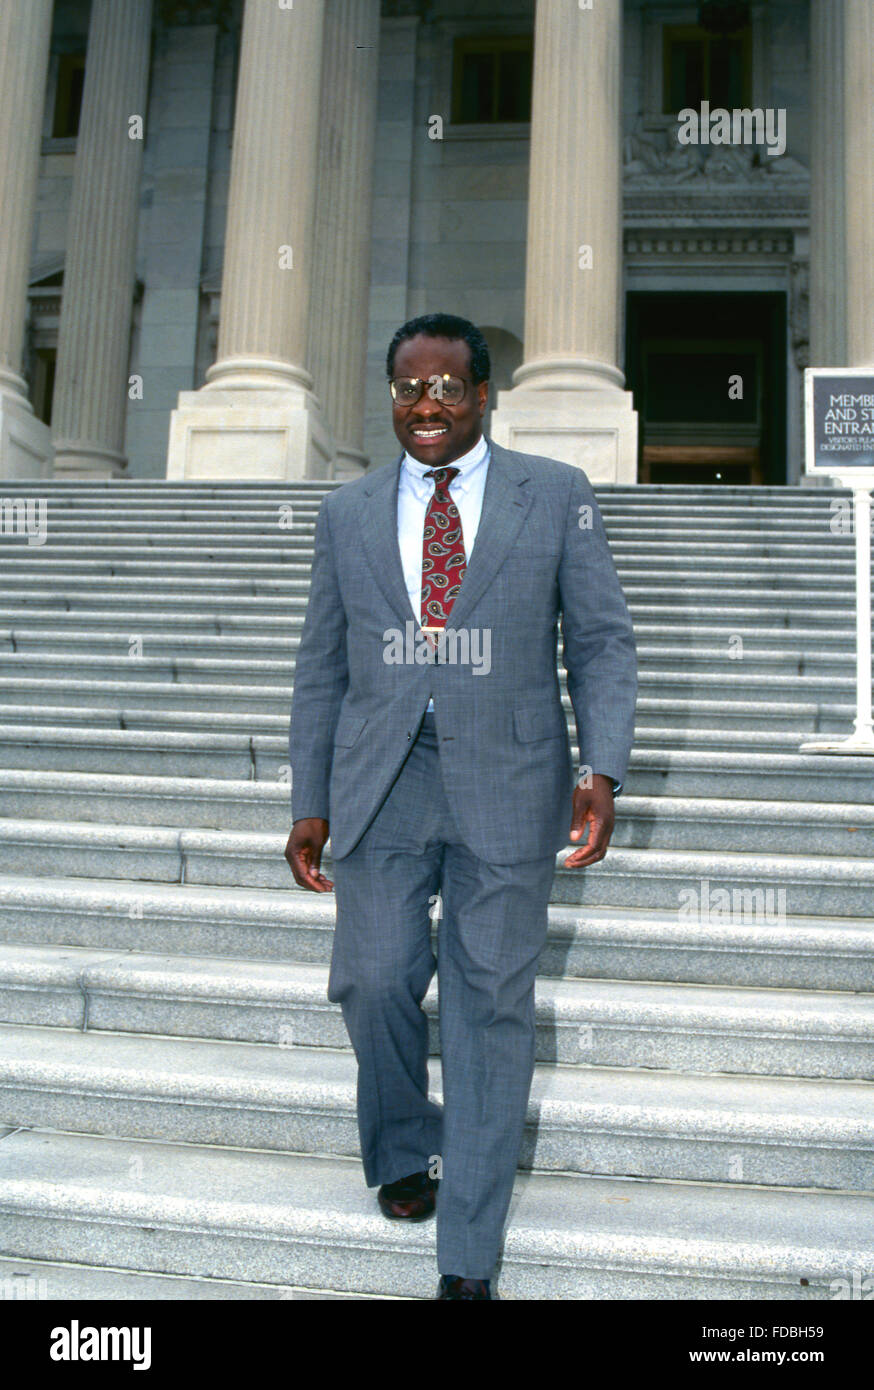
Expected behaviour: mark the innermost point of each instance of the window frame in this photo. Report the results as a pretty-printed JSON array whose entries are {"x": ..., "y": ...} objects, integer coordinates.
[
  {"x": 487, "y": 43},
  {"x": 673, "y": 33}
]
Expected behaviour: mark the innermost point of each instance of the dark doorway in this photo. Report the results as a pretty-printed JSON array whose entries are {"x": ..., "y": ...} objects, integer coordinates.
[{"x": 708, "y": 373}]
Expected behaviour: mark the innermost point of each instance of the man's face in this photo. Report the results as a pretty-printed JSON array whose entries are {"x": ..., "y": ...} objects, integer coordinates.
[{"x": 433, "y": 431}]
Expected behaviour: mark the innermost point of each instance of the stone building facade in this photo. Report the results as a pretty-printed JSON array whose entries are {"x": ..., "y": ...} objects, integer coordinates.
[{"x": 217, "y": 212}]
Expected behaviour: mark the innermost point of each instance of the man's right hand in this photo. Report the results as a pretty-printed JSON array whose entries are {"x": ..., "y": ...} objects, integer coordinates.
[{"x": 304, "y": 854}]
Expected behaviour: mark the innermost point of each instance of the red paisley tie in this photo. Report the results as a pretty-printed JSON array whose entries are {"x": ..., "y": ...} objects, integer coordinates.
[{"x": 443, "y": 557}]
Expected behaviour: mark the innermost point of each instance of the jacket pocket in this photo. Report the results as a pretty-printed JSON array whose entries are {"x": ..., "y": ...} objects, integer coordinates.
[
  {"x": 535, "y": 721},
  {"x": 349, "y": 727}
]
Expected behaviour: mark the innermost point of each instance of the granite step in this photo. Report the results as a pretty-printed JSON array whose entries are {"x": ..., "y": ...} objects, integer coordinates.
[
  {"x": 824, "y": 606},
  {"x": 613, "y": 1023},
  {"x": 177, "y": 704},
  {"x": 661, "y": 772},
  {"x": 706, "y": 676},
  {"x": 662, "y": 822},
  {"x": 28, "y": 650},
  {"x": 687, "y": 588},
  {"x": 291, "y": 1220},
  {"x": 38, "y": 1280},
  {"x": 656, "y": 629},
  {"x": 26, "y": 561},
  {"x": 702, "y": 724},
  {"x": 613, "y": 1121},
  {"x": 34, "y": 755},
  {"x": 277, "y": 544},
  {"x": 293, "y": 519},
  {"x": 242, "y": 613},
  {"x": 803, "y": 884},
  {"x": 746, "y": 948}
]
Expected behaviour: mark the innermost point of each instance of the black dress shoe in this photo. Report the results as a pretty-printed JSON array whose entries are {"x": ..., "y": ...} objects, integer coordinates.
[
  {"x": 453, "y": 1286},
  {"x": 409, "y": 1199}
]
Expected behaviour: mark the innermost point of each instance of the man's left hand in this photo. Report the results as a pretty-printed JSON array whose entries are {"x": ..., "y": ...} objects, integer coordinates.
[{"x": 593, "y": 807}]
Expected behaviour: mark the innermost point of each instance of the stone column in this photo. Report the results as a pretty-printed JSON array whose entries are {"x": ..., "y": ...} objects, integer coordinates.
[
  {"x": 182, "y": 114},
  {"x": 859, "y": 180},
  {"x": 568, "y": 399},
  {"x": 340, "y": 303},
  {"x": 25, "y": 31},
  {"x": 828, "y": 233},
  {"x": 257, "y": 416},
  {"x": 91, "y": 384}
]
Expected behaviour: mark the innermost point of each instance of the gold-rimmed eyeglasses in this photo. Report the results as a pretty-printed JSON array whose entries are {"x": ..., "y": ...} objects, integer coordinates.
[{"x": 407, "y": 390}]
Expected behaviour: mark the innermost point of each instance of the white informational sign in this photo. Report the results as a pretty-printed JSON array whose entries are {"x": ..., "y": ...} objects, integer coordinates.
[{"x": 839, "y": 443}]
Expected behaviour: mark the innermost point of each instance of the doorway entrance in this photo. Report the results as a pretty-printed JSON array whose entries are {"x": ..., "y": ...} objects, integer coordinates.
[{"x": 708, "y": 373}]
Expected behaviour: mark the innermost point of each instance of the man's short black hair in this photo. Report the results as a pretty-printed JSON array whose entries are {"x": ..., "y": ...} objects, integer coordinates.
[{"x": 445, "y": 326}]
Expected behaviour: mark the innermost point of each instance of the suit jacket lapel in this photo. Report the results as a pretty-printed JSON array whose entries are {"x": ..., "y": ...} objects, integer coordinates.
[
  {"x": 505, "y": 505},
  {"x": 379, "y": 536}
]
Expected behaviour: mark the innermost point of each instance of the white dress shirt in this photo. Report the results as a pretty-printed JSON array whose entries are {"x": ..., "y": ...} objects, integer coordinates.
[{"x": 415, "y": 492}]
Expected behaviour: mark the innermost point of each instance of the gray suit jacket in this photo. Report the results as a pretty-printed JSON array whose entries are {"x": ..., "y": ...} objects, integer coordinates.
[{"x": 540, "y": 558}]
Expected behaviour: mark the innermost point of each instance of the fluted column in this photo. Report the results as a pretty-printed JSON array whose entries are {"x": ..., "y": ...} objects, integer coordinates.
[
  {"x": 25, "y": 31},
  {"x": 256, "y": 415},
  {"x": 94, "y": 334},
  {"x": 859, "y": 180},
  {"x": 339, "y": 308},
  {"x": 271, "y": 203},
  {"x": 568, "y": 398},
  {"x": 828, "y": 235},
  {"x": 575, "y": 198}
]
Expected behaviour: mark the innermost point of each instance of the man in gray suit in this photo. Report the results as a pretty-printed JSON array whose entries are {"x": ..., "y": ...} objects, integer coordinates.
[{"x": 427, "y": 731}]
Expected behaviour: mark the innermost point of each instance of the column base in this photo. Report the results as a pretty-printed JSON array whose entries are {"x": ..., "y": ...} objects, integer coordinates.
[
  {"x": 594, "y": 430},
  {"x": 72, "y": 461},
  {"x": 240, "y": 434},
  {"x": 25, "y": 442}
]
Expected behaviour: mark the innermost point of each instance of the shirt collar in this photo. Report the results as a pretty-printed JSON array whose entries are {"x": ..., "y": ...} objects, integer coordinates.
[{"x": 466, "y": 465}]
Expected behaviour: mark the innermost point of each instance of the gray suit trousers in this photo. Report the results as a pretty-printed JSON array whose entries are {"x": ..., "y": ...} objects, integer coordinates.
[{"x": 491, "y": 930}]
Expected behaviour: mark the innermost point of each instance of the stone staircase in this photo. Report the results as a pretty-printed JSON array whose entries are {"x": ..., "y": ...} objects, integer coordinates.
[{"x": 177, "y": 1096}]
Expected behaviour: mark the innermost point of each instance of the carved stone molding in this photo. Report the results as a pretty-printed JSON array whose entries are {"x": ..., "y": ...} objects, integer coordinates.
[
  {"x": 734, "y": 242},
  {"x": 652, "y": 157},
  {"x": 671, "y": 207},
  {"x": 45, "y": 305},
  {"x": 665, "y": 183}
]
